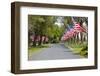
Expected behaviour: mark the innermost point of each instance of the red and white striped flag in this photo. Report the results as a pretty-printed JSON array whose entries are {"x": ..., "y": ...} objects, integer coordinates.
[{"x": 78, "y": 28}]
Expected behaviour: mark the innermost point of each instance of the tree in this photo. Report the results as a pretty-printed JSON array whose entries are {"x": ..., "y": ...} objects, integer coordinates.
[
  {"x": 41, "y": 26},
  {"x": 36, "y": 23}
]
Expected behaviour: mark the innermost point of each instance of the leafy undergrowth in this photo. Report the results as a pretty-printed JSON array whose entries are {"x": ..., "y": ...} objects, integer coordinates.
[{"x": 78, "y": 48}]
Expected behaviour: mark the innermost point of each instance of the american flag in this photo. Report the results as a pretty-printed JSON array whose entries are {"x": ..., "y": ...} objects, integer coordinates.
[
  {"x": 72, "y": 31},
  {"x": 78, "y": 28}
]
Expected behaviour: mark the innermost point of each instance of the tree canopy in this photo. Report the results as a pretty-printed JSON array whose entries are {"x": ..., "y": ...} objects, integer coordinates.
[{"x": 45, "y": 26}]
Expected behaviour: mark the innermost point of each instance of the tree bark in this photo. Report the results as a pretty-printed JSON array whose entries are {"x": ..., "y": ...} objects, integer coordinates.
[
  {"x": 40, "y": 42},
  {"x": 34, "y": 42}
]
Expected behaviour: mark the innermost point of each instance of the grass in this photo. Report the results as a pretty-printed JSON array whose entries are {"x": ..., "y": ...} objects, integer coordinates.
[
  {"x": 78, "y": 48},
  {"x": 32, "y": 49}
]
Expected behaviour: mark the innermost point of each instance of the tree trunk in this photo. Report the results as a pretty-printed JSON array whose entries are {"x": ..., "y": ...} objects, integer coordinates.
[
  {"x": 44, "y": 41},
  {"x": 40, "y": 42},
  {"x": 34, "y": 42}
]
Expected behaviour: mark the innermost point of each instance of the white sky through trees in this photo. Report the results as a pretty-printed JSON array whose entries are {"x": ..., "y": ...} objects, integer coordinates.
[{"x": 59, "y": 21}]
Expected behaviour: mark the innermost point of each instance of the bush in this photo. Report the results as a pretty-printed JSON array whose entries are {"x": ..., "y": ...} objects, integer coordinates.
[{"x": 84, "y": 51}]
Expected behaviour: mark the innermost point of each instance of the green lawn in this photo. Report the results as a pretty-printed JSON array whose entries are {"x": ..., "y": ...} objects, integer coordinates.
[
  {"x": 32, "y": 50},
  {"x": 78, "y": 48}
]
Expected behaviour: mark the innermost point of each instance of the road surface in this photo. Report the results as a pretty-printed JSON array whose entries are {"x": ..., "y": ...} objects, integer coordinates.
[{"x": 55, "y": 51}]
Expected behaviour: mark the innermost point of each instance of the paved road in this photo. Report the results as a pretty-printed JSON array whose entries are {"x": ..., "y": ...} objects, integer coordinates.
[{"x": 55, "y": 51}]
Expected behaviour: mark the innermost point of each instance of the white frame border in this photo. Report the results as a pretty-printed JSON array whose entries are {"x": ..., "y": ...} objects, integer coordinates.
[{"x": 25, "y": 64}]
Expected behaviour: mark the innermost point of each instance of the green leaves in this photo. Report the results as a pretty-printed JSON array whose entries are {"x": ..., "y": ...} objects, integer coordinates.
[{"x": 45, "y": 25}]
